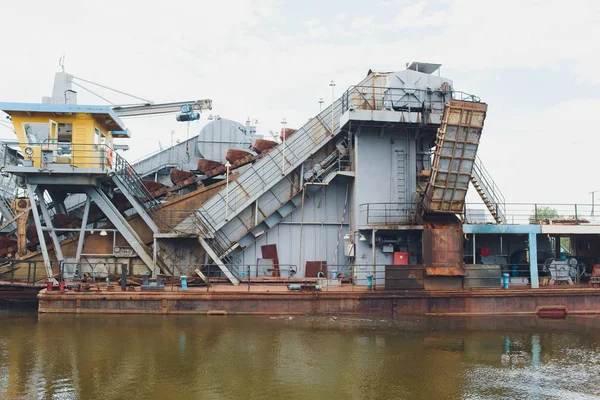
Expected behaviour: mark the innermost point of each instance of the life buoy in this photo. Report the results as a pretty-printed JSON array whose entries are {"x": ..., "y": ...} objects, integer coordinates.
[{"x": 109, "y": 157}]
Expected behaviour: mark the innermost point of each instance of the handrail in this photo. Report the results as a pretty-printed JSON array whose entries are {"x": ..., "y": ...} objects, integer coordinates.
[
  {"x": 368, "y": 100},
  {"x": 494, "y": 198},
  {"x": 389, "y": 213},
  {"x": 539, "y": 213}
]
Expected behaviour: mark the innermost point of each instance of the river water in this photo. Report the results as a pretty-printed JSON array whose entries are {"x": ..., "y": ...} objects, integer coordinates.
[{"x": 242, "y": 357}]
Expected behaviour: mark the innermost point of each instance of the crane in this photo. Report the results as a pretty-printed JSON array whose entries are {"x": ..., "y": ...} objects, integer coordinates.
[
  {"x": 184, "y": 107},
  {"x": 64, "y": 94}
]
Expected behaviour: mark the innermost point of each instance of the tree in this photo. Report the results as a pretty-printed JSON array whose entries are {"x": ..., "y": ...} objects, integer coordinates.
[{"x": 545, "y": 212}]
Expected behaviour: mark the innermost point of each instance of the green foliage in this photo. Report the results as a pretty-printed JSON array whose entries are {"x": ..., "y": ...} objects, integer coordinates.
[{"x": 545, "y": 212}]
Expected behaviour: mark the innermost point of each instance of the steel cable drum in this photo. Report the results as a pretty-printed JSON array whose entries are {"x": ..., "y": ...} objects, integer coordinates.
[{"x": 220, "y": 135}]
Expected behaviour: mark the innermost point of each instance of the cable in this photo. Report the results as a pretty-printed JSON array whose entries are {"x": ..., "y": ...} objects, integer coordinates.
[
  {"x": 114, "y": 90},
  {"x": 94, "y": 93}
]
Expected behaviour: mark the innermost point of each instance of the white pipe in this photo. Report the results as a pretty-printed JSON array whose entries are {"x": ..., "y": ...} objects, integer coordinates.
[
  {"x": 332, "y": 84},
  {"x": 283, "y": 137},
  {"x": 227, "y": 165}
]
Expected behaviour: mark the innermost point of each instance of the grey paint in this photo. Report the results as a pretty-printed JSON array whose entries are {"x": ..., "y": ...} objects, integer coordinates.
[
  {"x": 321, "y": 225},
  {"x": 213, "y": 141},
  {"x": 378, "y": 171}
]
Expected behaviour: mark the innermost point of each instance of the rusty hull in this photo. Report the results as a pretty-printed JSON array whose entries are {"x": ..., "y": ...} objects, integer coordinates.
[{"x": 419, "y": 302}]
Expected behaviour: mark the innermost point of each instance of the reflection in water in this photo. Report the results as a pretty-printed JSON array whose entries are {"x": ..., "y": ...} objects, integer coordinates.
[{"x": 115, "y": 357}]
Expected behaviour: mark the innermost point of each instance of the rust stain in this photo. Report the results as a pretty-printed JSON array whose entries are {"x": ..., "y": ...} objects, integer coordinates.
[{"x": 445, "y": 271}]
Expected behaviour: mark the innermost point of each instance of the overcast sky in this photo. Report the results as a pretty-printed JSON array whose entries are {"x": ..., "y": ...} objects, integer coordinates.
[{"x": 533, "y": 62}]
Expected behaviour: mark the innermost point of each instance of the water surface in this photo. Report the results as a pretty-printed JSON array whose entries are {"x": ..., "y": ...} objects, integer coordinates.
[{"x": 239, "y": 357}]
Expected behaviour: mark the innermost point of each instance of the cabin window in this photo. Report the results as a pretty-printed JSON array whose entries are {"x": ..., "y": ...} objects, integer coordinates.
[
  {"x": 36, "y": 133},
  {"x": 96, "y": 137},
  {"x": 65, "y": 138}
]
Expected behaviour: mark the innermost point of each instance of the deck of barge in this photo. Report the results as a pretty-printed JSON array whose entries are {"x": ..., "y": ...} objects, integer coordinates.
[{"x": 347, "y": 299}]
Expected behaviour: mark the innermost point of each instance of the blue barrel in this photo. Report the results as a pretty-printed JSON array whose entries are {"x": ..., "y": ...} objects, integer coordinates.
[
  {"x": 515, "y": 270},
  {"x": 183, "y": 282},
  {"x": 505, "y": 281},
  {"x": 369, "y": 282}
]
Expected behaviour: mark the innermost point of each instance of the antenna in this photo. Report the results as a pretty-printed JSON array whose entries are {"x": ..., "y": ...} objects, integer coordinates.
[{"x": 61, "y": 62}]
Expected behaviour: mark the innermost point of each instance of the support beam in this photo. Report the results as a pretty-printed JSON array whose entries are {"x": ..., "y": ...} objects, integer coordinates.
[
  {"x": 218, "y": 261},
  {"x": 136, "y": 204},
  {"x": 84, "y": 221},
  {"x": 59, "y": 202},
  {"x": 533, "y": 267},
  {"x": 48, "y": 222},
  {"x": 38, "y": 226},
  {"x": 122, "y": 225}
]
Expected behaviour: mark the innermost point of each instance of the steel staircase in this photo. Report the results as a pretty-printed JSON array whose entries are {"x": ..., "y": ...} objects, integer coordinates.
[
  {"x": 227, "y": 249},
  {"x": 279, "y": 202},
  {"x": 488, "y": 191},
  {"x": 328, "y": 168},
  {"x": 125, "y": 173},
  {"x": 268, "y": 190}
]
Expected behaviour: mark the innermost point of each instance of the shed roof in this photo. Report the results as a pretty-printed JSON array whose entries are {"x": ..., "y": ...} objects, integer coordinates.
[{"x": 105, "y": 113}]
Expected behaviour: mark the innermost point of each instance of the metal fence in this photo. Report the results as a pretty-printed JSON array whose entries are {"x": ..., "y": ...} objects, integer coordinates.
[
  {"x": 13, "y": 270},
  {"x": 388, "y": 213},
  {"x": 536, "y": 213},
  {"x": 75, "y": 155},
  {"x": 376, "y": 98}
]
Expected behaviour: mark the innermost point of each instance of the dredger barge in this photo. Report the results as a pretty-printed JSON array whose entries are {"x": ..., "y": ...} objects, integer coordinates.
[{"x": 361, "y": 210}]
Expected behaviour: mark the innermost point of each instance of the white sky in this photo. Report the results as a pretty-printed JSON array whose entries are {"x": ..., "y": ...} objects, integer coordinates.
[{"x": 534, "y": 63}]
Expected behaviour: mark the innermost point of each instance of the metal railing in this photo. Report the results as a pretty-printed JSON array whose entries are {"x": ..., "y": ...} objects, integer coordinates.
[
  {"x": 53, "y": 152},
  {"x": 388, "y": 213},
  {"x": 489, "y": 191},
  {"x": 536, "y": 214},
  {"x": 337, "y": 160},
  {"x": 271, "y": 167},
  {"x": 127, "y": 175},
  {"x": 385, "y": 98},
  {"x": 12, "y": 270},
  {"x": 241, "y": 271}
]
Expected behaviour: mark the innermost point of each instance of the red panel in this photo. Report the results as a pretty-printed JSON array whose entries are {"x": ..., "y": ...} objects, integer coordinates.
[
  {"x": 269, "y": 251},
  {"x": 401, "y": 258},
  {"x": 314, "y": 267}
]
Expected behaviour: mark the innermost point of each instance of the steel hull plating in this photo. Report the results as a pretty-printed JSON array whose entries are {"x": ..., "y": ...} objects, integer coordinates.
[{"x": 422, "y": 302}]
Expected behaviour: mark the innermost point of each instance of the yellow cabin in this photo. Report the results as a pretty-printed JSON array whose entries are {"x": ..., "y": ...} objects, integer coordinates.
[{"x": 72, "y": 135}]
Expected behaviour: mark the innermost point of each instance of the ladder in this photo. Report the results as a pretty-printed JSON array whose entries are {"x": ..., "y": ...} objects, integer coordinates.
[
  {"x": 133, "y": 183},
  {"x": 488, "y": 191}
]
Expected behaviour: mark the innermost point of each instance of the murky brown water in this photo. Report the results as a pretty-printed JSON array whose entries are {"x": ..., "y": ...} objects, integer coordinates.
[{"x": 153, "y": 357}]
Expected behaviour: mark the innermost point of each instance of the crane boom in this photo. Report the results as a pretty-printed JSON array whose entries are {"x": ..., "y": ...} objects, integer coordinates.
[{"x": 162, "y": 108}]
